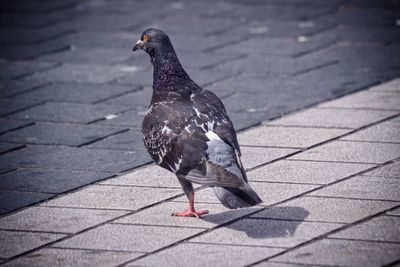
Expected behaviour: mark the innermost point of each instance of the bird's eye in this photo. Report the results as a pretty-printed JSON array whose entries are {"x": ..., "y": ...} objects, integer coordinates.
[{"x": 146, "y": 38}]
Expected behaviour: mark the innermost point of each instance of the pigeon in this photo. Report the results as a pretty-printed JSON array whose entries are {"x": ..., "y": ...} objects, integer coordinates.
[{"x": 188, "y": 132}]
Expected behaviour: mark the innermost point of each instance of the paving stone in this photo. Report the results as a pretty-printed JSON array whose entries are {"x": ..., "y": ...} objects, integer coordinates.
[
  {"x": 48, "y": 181},
  {"x": 383, "y": 132},
  {"x": 390, "y": 170},
  {"x": 382, "y": 228},
  {"x": 159, "y": 215},
  {"x": 8, "y": 88},
  {"x": 291, "y": 171},
  {"x": 206, "y": 254},
  {"x": 270, "y": 193},
  {"x": 138, "y": 98},
  {"x": 15, "y": 69},
  {"x": 131, "y": 140},
  {"x": 254, "y": 156},
  {"x": 337, "y": 210},
  {"x": 27, "y": 52},
  {"x": 58, "y": 134},
  {"x": 6, "y": 147},
  {"x": 367, "y": 100},
  {"x": 364, "y": 187},
  {"x": 149, "y": 175},
  {"x": 73, "y": 257},
  {"x": 14, "y": 243},
  {"x": 52, "y": 219},
  {"x": 67, "y": 112},
  {"x": 69, "y": 158},
  {"x": 81, "y": 73},
  {"x": 393, "y": 85},
  {"x": 10, "y": 106},
  {"x": 114, "y": 197},
  {"x": 77, "y": 92},
  {"x": 352, "y": 253},
  {"x": 131, "y": 118},
  {"x": 395, "y": 212},
  {"x": 4, "y": 170},
  {"x": 9, "y": 125},
  {"x": 336, "y": 118},
  {"x": 140, "y": 77},
  {"x": 279, "y": 264},
  {"x": 77, "y": 55},
  {"x": 287, "y": 136},
  {"x": 119, "y": 237},
  {"x": 352, "y": 152},
  {"x": 11, "y": 200},
  {"x": 266, "y": 232}
]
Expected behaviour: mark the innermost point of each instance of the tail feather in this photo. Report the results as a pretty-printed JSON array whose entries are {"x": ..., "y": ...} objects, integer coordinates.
[{"x": 237, "y": 197}]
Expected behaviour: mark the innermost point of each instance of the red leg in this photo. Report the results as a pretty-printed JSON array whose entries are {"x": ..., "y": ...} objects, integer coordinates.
[{"x": 191, "y": 212}]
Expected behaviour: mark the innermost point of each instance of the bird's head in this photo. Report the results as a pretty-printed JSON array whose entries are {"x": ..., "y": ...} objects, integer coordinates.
[{"x": 152, "y": 41}]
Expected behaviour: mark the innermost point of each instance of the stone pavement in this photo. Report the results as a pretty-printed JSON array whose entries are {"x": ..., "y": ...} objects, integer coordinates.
[
  {"x": 73, "y": 94},
  {"x": 329, "y": 176}
]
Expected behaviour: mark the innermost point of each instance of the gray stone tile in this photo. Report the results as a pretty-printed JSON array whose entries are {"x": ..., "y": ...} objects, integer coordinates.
[
  {"x": 368, "y": 100},
  {"x": 382, "y": 228},
  {"x": 48, "y": 181},
  {"x": 81, "y": 73},
  {"x": 270, "y": 193},
  {"x": 192, "y": 254},
  {"x": 131, "y": 140},
  {"x": 4, "y": 169},
  {"x": 255, "y": 156},
  {"x": 336, "y": 252},
  {"x": 11, "y": 200},
  {"x": 287, "y": 136},
  {"x": 114, "y": 197},
  {"x": 58, "y": 134},
  {"x": 159, "y": 215},
  {"x": 73, "y": 257},
  {"x": 139, "y": 98},
  {"x": 53, "y": 219},
  {"x": 383, "y": 132},
  {"x": 364, "y": 187},
  {"x": 10, "y": 106},
  {"x": 131, "y": 118},
  {"x": 345, "y": 151},
  {"x": 395, "y": 212},
  {"x": 292, "y": 171},
  {"x": 69, "y": 158},
  {"x": 266, "y": 232},
  {"x": 390, "y": 170},
  {"x": 333, "y": 117},
  {"x": 77, "y": 92},
  {"x": 150, "y": 175},
  {"x": 280, "y": 264},
  {"x": 9, "y": 125},
  {"x": 15, "y": 69},
  {"x": 337, "y": 210},
  {"x": 392, "y": 86},
  {"x": 14, "y": 243},
  {"x": 67, "y": 112},
  {"x": 6, "y": 147},
  {"x": 8, "y": 88},
  {"x": 128, "y": 237}
]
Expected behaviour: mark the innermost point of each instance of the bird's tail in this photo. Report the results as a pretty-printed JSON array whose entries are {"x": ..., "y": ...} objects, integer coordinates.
[{"x": 237, "y": 197}]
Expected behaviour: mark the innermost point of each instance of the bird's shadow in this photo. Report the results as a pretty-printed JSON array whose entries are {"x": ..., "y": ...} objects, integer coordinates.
[{"x": 264, "y": 224}]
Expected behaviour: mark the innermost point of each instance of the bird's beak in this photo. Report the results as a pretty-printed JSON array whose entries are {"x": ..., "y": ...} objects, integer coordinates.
[{"x": 139, "y": 45}]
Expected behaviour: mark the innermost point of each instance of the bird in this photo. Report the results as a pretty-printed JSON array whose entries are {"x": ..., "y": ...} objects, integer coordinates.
[{"x": 187, "y": 131}]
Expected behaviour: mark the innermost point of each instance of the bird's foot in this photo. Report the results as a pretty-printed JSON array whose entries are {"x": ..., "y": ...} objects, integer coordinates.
[{"x": 190, "y": 213}]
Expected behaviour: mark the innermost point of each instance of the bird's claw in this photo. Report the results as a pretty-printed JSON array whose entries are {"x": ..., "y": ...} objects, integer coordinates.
[{"x": 190, "y": 213}]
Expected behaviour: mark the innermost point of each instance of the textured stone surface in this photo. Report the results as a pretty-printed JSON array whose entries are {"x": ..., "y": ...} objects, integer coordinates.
[
  {"x": 52, "y": 219},
  {"x": 351, "y": 253},
  {"x": 11, "y": 200},
  {"x": 384, "y": 132},
  {"x": 120, "y": 237},
  {"x": 352, "y": 152},
  {"x": 393, "y": 85},
  {"x": 390, "y": 170},
  {"x": 293, "y": 171},
  {"x": 13, "y": 243},
  {"x": 74, "y": 257},
  {"x": 113, "y": 197},
  {"x": 266, "y": 232},
  {"x": 331, "y": 117},
  {"x": 382, "y": 228},
  {"x": 254, "y": 156},
  {"x": 287, "y": 136},
  {"x": 364, "y": 187},
  {"x": 327, "y": 209},
  {"x": 201, "y": 254}
]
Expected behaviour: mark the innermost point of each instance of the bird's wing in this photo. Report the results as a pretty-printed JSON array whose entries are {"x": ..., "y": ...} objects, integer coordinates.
[{"x": 179, "y": 141}]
